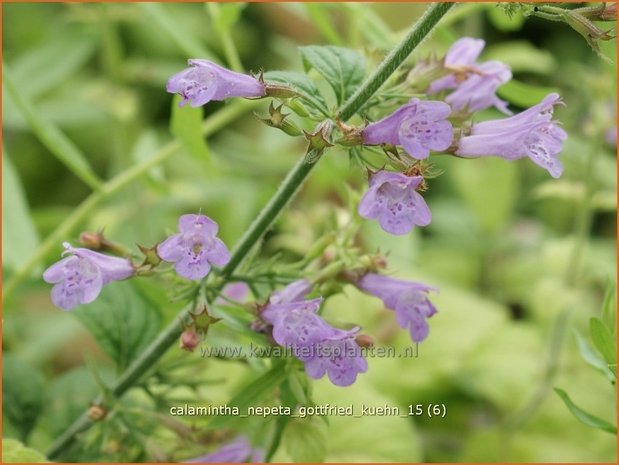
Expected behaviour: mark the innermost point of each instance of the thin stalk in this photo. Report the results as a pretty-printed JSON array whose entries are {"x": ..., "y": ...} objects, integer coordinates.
[{"x": 265, "y": 219}]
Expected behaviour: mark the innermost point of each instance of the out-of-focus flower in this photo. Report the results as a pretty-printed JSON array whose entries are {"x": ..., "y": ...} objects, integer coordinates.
[
  {"x": 323, "y": 348},
  {"x": 394, "y": 202},
  {"x": 189, "y": 340},
  {"x": 532, "y": 133},
  {"x": 80, "y": 277},
  {"x": 195, "y": 248},
  {"x": 408, "y": 299},
  {"x": 418, "y": 126},
  {"x": 474, "y": 84},
  {"x": 234, "y": 291},
  {"x": 204, "y": 81},
  {"x": 237, "y": 451}
]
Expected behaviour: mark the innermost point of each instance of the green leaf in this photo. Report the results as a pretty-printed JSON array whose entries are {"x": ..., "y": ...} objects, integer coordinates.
[
  {"x": 523, "y": 95},
  {"x": 186, "y": 125},
  {"x": 253, "y": 393},
  {"x": 585, "y": 417},
  {"x": 14, "y": 451},
  {"x": 522, "y": 56},
  {"x": 20, "y": 238},
  {"x": 299, "y": 82},
  {"x": 489, "y": 187},
  {"x": 604, "y": 342},
  {"x": 22, "y": 399},
  {"x": 122, "y": 321},
  {"x": 343, "y": 69},
  {"x": 592, "y": 357},
  {"x": 53, "y": 139},
  {"x": 609, "y": 307},
  {"x": 305, "y": 439}
]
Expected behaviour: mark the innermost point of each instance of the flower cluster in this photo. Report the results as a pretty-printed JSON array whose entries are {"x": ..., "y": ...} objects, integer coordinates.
[
  {"x": 79, "y": 278},
  {"x": 323, "y": 348}
]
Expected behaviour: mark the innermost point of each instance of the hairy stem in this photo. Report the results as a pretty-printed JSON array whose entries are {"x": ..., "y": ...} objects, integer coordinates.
[{"x": 265, "y": 219}]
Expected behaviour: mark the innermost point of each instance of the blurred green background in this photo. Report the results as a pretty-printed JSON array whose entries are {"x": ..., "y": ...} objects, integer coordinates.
[{"x": 522, "y": 261}]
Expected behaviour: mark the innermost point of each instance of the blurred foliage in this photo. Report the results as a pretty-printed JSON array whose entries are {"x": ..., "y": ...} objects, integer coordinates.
[{"x": 521, "y": 261}]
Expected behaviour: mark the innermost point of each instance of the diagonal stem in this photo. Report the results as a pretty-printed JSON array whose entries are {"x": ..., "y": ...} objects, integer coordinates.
[{"x": 267, "y": 216}]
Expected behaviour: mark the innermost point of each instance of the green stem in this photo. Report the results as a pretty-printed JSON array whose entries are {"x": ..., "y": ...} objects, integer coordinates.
[
  {"x": 211, "y": 125},
  {"x": 232, "y": 55},
  {"x": 265, "y": 219},
  {"x": 418, "y": 32}
]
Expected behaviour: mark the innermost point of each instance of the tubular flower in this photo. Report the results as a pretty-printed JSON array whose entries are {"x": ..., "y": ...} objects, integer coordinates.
[
  {"x": 474, "y": 84},
  {"x": 321, "y": 347},
  {"x": 418, "y": 126},
  {"x": 204, "y": 81},
  {"x": 532, "y": 133},
  {"x": 394, "y": 202},
  {"x": 80, "y": 277},
  {"x": 408, "y": 299},
  {"x": 237, "y": 451},
  {"x": 195, "y": 248}
]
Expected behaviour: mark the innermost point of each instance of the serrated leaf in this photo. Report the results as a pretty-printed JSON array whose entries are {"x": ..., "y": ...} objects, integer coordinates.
[
  {"x": 604, "y": 342},
  {"x": 583, "y": 416},
  {"x": 305, "y": 439},
  {"x": 20, "y": 238},
  {"x": 342, "y": 68},
  {"x": 122, "y": 321},
  {"x": 301, "y": 83},
  {"x": 523, "y": 95},
  {"x": 22, "y": 395},
  {"x": 186, "y": 125},
  {"x": 14, "y": 451}
]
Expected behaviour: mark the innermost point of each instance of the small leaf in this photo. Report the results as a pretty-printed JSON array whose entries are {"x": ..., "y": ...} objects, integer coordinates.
[
  {"x": 592, "y": 357},
  {"x": 186, "y": 125},
  {"x": 585, "y": 417},
  {"x": 609, "y": 307},
  {"x": 523, "y": 95},
  {"x": 503, "y": 21},
  {"x": 604, "y": 342},
  {"x": 20, "y": 238},
  {"x": 22, "y": 399},
  {"x": 122, "y": 321},
  {"x": 305, "y": 439},
  {"x": 343, "y": 69},
  {"x": 301, "y": 83},
  {"x": 14, "y": 451}
]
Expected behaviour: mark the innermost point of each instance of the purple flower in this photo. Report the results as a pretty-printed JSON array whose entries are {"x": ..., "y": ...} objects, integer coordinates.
[
  {"x": 531, "y": 133},
  {"x": 394, "y": 202},
  {"x": 80, "y": 277},
  {"x": 204, "y": 81},
  {"x": 408, "y": 299},
  {"x": 323, "y": 348},
  {"x": 475, "y": 84},
  {"x": 237, "y": 451},
  {"x": 417, "y": 126},
  {"x": 195, "y": 248},
  {"x": 234, "y": 291}
]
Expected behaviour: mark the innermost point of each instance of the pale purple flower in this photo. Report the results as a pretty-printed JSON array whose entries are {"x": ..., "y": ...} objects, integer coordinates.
[
  {"x": 234, "y": 291},
  {"x": 475, "y": 84},
  {"x": 321, "y": 347},
  {"x": 204, "y": 81},
  {"x": 195, "y": 248},
  {"x": 237, "y": 451},
  {"x": 80, "y": 277},
  {"x": 408, "y": 299},
  {"x": 532, "y": 133},
  {"x": 392, "y": 199},
  {"x": 418, "y": 126}
]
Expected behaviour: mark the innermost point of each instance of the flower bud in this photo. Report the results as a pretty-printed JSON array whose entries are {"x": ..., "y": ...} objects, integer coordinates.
[
  {"x": 92, "y": 240},
  {"x": 189, "y": 340},
  {"x": 96, "y": 412},
  {"x": 364, "y": 340}
]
